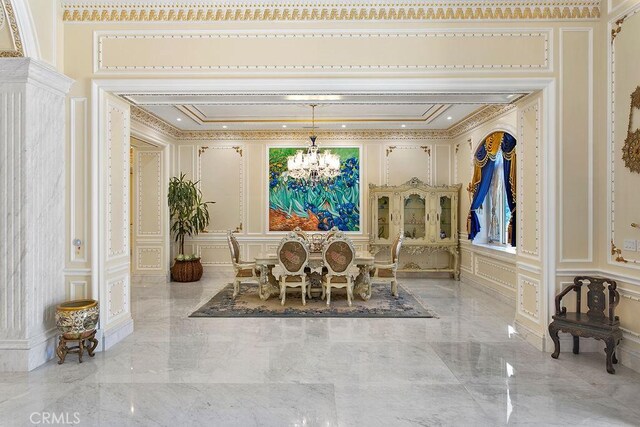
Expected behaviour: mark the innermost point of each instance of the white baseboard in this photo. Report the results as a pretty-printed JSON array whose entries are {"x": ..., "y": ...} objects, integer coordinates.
[
  {"x": 26, "y": 355},
  {"x": 110, "y": 337},
  {"x": 149, "y": 279},
  {"x": 470, "y": 280},
  {"x": 532, "y": 337}
]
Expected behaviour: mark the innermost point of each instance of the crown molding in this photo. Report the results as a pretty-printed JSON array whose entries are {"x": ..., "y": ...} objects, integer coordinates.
[
  {"x": 7, "y": 12},
  {"x": 391, "y": 10},
  {"x": 484, "y": 115}
]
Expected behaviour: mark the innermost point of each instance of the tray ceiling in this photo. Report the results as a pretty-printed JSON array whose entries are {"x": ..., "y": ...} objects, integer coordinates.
[{"x": 193, "y": 112}]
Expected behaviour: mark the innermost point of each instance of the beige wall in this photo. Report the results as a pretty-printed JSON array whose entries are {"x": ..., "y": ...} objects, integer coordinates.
[{"x": 233, "y": 173}]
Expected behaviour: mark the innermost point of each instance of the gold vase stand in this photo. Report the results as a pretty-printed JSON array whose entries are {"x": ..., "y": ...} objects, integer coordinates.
[{"x": 88, "y": 343}]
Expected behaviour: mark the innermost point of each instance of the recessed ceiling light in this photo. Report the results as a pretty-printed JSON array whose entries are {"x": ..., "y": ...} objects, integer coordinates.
[
  {"x": 344, "y": 126},
  {"x": 224, "y": 127},
  {"x": 179, "y": 119},
  {"x": 449, "y": 118},
  {"x": 403, "y": 126},
  {"x": 284, "y": 126}
]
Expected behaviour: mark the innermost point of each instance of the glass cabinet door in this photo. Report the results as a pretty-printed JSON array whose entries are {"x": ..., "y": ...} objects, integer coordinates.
[
  {"x": 445, "y": 217},
  {"x": 384, "y": 217},
  {"x": 414, "y": 216}
]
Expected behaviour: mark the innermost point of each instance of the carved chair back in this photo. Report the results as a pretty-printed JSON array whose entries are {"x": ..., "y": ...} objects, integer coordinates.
[
  {"x": 596, "y": 298},
  {"x": 301, "y": 233},
  {"x": 339, "y": 255},
  {"x": 234, "y": 247},
  {"x": 293, "y": 254},
  {"x": 396, "y": 246}
]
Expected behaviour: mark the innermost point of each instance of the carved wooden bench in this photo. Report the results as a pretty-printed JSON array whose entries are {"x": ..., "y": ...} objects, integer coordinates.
[{"x": 594, "y": 323}]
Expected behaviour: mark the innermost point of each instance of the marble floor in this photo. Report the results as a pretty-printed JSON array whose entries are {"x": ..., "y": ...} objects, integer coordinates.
[{"x": 465, "y": 368}]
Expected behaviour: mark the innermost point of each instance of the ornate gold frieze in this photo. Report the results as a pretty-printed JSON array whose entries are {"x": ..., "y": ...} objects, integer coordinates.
[
  {"x": 618, "y": 27},
  {"x": 489, "y": 112},
  {"x": 631, "y": 147},
  {"x": 10, "y": 17},
  {"x": 185, "y": 11}
]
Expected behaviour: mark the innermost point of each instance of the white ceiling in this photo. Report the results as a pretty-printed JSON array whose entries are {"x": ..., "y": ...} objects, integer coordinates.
[{"x": 293, "y": 111}]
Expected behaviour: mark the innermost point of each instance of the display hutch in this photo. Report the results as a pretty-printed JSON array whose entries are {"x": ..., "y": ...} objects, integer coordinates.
[{"x": 426, "y": 215}]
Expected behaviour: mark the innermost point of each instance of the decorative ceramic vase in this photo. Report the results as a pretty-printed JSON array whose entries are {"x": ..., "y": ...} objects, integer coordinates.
[
  {"x": 187, "y": 270},
  {"x": 77, "y": 319}
]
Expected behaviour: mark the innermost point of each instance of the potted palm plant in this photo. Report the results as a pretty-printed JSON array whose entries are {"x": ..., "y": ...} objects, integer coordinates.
[{"x": 189, "y": 216}]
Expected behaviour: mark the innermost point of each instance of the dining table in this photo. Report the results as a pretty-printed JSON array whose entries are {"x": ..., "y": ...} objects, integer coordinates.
[{"x": 269, "y": 286}]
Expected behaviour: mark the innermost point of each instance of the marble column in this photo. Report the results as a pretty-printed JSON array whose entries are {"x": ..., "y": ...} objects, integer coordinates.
[{"x": 32, "y": 210}]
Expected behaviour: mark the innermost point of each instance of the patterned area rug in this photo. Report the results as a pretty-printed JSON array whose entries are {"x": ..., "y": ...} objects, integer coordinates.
[{"x": 248, "y": 304}]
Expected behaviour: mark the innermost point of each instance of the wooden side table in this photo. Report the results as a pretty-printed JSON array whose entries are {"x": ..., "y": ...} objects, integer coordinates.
[{"x": 88, "y": 343}]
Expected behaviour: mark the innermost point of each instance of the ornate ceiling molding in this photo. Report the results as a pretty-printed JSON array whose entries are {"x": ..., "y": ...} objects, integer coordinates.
[
  {"x": 391, "y": 10},
  {"x": 490, "y": 112},
  {"x": 8, "y": 17},
  {"x": 486, "y": 114}
]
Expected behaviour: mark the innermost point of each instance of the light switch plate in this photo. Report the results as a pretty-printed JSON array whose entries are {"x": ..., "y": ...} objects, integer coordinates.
[{"x": 630, "y": 245}]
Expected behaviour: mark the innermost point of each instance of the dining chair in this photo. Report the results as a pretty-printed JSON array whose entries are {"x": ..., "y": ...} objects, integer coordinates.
[
  {"x": 245, "y": 271},
  {"x": 293, "y": 257},
  {"x": 385, "y": 271},
  {"x": 338, "y": 255}
]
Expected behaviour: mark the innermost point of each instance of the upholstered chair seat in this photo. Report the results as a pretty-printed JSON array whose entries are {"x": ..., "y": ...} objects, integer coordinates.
[
  {"x": 244, "y": 271},
  {"x": 385, "y": 271},
  {"x": 293, "y": 257},
  {"x": 338, "y": 255}
]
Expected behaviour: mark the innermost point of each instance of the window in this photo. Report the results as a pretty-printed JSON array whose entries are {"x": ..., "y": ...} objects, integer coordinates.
[
  {"x": 497, "y": 208},
  {"x": 493, "y": 199}
]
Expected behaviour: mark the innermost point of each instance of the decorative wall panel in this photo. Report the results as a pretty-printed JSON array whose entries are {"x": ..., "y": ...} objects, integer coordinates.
[
  {"x": 624, "y": 203},
  {"x": 223, "y": 185},
  {"x": 118, "y": 297},
  {"x": 117, "y": 167},
  {"x": 529, "y": 297},
  {"x": 149, "y": 258},
  {"x": 576, "y": 145},
  {"x": 403, "y": 162},
  {"x": 149, "y": 193},
  {"x": 529, "y": 179},
  {"x": 130, "y": 51}
]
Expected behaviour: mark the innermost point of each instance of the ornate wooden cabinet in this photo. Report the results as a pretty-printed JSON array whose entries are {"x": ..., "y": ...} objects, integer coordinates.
[{"x": 427, "y": 216}]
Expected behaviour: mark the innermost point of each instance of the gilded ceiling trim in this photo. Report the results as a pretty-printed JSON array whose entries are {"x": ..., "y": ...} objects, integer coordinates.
[
  {"x": 482, "y": 116},
  {"x": 10, "y": 16},
  {"x": 185, "y": 11}
]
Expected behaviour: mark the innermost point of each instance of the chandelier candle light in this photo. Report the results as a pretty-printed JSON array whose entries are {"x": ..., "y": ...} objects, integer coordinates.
[{"x": 313, "y": 166}]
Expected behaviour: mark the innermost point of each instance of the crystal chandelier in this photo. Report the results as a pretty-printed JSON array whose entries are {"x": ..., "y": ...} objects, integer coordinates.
[{"x": 313, "y": 166}]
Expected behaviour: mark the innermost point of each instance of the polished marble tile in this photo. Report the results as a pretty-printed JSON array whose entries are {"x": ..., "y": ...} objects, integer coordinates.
[{"x": 466, "y": 367}]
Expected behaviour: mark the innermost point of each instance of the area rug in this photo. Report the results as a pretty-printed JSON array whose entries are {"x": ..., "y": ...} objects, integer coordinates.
[{"x": 248, "y": 304}]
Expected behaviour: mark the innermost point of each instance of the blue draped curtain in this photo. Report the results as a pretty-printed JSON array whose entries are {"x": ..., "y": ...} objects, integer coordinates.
[
  {"x": 508, "y": 147},
  {"x": 481, "y": 184},
  {"x": 484, "y": 166}
]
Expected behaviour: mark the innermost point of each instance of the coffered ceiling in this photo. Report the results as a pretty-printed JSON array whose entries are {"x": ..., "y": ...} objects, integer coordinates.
[{"x": 242, "y": 112}]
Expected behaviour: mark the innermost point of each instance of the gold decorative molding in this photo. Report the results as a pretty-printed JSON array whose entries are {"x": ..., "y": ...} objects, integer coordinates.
[
  {"x": 618, "y": 27},
  {"x": 9, "y": 15},
  {"x": 631, "y": 147},
  {"x": 390, "y": 149},
  {"x": 202, "y": 149},
  {"x": 634, "y": 225},
  {"x": 617, "y": 252},
  {"x": 239, "y": 151},
  {"x": 486, "y": 114},
  {"x": 426, "y": 149},
  {"x": 447, "y": 10}
]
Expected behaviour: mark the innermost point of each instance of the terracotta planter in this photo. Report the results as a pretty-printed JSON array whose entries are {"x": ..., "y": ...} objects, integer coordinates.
[
  {"x": 77, "y": 319},
  {"x": 186, "y": 271}
]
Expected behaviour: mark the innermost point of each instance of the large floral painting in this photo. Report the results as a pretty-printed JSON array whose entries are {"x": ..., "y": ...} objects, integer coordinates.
[{"x": 314, "y": 208}]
